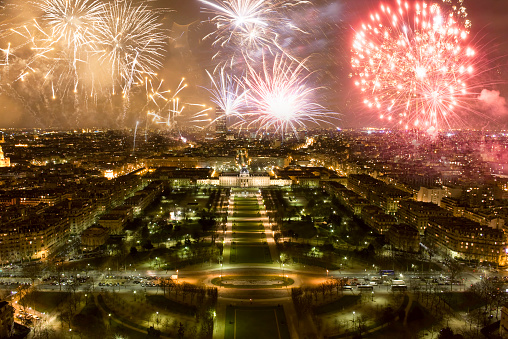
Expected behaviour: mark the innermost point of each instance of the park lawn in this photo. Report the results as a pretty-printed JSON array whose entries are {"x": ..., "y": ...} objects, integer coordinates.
[
  {"x": 302, "y": 228},
  {"x": 172, "y": 306},
  {"x": 89, "y": 321},
  {"x": 217, "y": 282},
  {"x": 246, "y": 201},
  {"x": 48, "y": 301},
  {"x": 264, "y": 322},
  {"x": 254, "y": 237},
  {"x": 247, "y": 223},
  {"x": 462, "y": 301},
  {"x": 246, "y": 215},
  {"x": 344, "y": 302},
  {"x": 252, "y": 254},
  {"x": 251, "y": 227},
  {"x": 247, "y": 207}
]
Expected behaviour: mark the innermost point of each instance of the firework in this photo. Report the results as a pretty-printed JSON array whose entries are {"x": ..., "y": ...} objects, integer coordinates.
[
  {"x": 413, "y": 66},
  {"x": 250, "y": 26},
  {"x": 131, "y": 42},
  {"x": 164, "y": 107},
  {"x": 72, "y": 22},
  {"x": 227, "y": 93},
  {"x": 459, "y": 12},
  {"x": 65, "y": 35},
  {"x": 280, "y": 97}
]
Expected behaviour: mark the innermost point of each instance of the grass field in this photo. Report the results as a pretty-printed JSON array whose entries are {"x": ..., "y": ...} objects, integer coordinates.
[
  {"x": 171, "y": 305},
  {"x": 48, "y": 301},
  {"x": 248, "y": 239},
  {"x": 264, "y": 322},
  {"x": 233, "y": 282},
  {"x": 462, "y": 301},
  {"x": 252, "y": 254},
  {"x": 345, "y": 302}
]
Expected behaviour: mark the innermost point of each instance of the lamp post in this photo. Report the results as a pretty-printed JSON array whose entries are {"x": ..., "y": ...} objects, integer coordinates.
[{"x": 353, "y": 320}]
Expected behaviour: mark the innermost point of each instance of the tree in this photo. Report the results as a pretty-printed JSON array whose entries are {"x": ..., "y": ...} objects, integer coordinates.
[
  {"x": 133, "y": 251},
  {"x": 445, "y": 333},
  {"x": 311, "y": 204},
  {"x": 455, "y": 271},
  {"x": 208, "y": 222},
  {"x": 147, "y": 245},
  {"x": 181, "y": 331}
]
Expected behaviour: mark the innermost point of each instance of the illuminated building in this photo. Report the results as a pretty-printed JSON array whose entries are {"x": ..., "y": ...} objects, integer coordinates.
[
  {"x": 94, "y": 237},
  {"x": 6, "y": 320},
  {"x": 4, "y": 162},
  {"x": 466, "y": 239},
  {"x": 221, "y": 126}
]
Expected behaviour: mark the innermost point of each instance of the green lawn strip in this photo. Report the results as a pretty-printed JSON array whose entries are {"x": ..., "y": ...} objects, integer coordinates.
[
  {"x": 246, "y": 215},
  {"x": 245, "y": 204},
  {"x": 344, "y": 302},
  {"x": 251, "y": 254},
  {"x": 264, "y": 322},
  {"x": 462, "y": 301},
  {"x": 171, "y": 305},
  {"x": 250, "y": 228},
  {"x": 48, "y": 301},
  {"x": 249, "y": 237},
  {"x": 229, "y": 332},
  {"x": 218, "y": 282}
]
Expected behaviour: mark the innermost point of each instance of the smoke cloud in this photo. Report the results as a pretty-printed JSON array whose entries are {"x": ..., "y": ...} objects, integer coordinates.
[{"x": 494, "y": 101}]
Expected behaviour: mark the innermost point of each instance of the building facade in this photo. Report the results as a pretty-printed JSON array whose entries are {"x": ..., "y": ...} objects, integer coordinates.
[
  {"x": 6, "y": 319},
  {"x": 466, "y": 239}
]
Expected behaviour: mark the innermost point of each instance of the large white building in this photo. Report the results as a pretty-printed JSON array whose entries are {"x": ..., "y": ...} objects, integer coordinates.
[{"x": 246, "y": 179}]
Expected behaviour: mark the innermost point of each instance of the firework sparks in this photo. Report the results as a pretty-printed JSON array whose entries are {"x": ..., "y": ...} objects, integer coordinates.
[
  {"x": 280, "y": 97},
  {"x": 413, "y": 65},
  {"x": 227, "y": 94},
  {"x": 131, "y": 42},
  {"x": 250, "y": 25},
  {"x": 72, "y": 22},
  {"x": 164, "y": 107}
]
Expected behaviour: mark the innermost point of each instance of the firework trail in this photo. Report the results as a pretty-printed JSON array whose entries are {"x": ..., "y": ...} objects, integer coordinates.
[
  {"x": 250, "y": 26},
  {"x": 459, "y": 12},
  {"x": 72, "y": 23},
  {"x": 280, "y": 97},
  {"x": 162, "y": 106},
  {"x": 227, "y": 94},
  {"x": 135, "y": 133},
  {"x": 165, "y": 108},
  {"x": 131, "y": 43},
  {"x": 64, "y": 36},
  {"x": 413, "y": 65}
]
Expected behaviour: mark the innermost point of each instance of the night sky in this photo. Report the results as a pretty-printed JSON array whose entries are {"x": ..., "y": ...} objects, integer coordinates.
[{"x": 188, "y": 56}]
